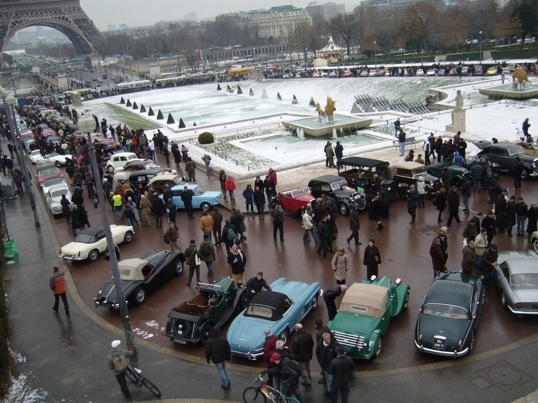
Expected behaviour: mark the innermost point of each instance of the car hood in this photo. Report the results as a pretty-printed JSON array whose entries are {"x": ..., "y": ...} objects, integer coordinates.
[
  {"x": 108, "y": 290},
  {"x": 453, "y": 329},
  {"x": 73, "y": 248},
  {"x": 246, "y": 333},
  {"x": 351, "y": 323},
  {"x": 208, "y": 194}
]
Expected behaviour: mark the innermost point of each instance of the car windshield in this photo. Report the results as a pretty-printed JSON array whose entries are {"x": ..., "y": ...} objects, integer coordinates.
[
  {"x": 58, "y": 193},
  {"x": 339, "y": 184},
  {"x": 419, "y": 171},
  {"x": 177, "y": 181},
  {"x": 524, "y": 281},
  {"x": 446, "y": 311},
  {"x": 299, "y": 192},
  {"x": 259, "y": 311},
  {"x": 51, "y": 182},
  {"x": 53, "y": 155},
  {"x": 84, "y": 238},
  {"x": 198, "y": 190},
  {"x": 516, "y": 150},
  {"x": 48, "y": 171}
]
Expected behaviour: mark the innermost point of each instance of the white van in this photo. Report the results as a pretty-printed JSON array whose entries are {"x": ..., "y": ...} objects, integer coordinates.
[{"x": 118, "y": 160}]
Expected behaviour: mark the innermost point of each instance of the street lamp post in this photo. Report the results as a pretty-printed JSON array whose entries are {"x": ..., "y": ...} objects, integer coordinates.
[
  {"x": 15, "y": 138},
  {"x": 480, "y": 46},
  {"x": 87, "y": 124},
  {"x": 375, "y": 55}
]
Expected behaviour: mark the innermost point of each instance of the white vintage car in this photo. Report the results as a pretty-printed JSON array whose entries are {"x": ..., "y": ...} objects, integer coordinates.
[
  {"x": 54, "y": 197},
  {"x": 52, "y": 158},
  {"x": 91, "y": 242}
]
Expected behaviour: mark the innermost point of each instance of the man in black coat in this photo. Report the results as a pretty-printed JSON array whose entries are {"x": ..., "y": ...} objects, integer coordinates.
[
  {"x": 157, "y": 208},
  {"x": 325, "y": 353},
  {"x": 453, "y": 204},
  {"x": 330, "y": 295},
  {"x": 324, "y": 235},
  {"x": 303, "y": 348},
  {"x": 341, "y": 368},
  {"x": 186, "y": 197},
  {"x": 218, "y": 351}
]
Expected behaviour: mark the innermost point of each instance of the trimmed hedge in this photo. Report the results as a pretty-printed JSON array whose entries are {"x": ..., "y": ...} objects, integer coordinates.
[{"x": 206, "y": 138}]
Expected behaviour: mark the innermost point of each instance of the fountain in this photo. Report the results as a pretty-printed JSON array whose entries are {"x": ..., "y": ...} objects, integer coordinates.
[
  {"x": 300, "y": 133},
  {"x": 335, "y": 136}
]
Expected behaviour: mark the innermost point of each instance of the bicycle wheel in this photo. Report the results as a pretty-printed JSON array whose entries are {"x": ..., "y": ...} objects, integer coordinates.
[
  {"x": 131, "y": 375},
  {"x": 253, "y": 394},
  {"x": 151, "y": 386},
  {"x": 290, "y": 400}
]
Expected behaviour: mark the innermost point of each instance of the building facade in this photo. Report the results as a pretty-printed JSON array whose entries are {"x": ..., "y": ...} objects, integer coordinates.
[{"x": 279, "y": 22}]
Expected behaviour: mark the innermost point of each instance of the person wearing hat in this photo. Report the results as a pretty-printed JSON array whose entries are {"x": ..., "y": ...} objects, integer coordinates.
[
  {"x": 439, "y": 252},
  {"x": 206, "y": 251},
  {"x": 371, "y": 259},
  {"x": 117, "y": 362},
  {"x": 218, "y": 351},
  {"x": 57, "y": 285},
  {"x": 268, "y": 347},
  {"x": 289, "y": 372},
  {"x": 193, "y": 260},
  {"x": 341, "y": 368}
]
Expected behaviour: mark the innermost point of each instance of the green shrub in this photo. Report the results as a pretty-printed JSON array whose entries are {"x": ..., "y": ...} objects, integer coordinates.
[{"x": 206, "y": 138}]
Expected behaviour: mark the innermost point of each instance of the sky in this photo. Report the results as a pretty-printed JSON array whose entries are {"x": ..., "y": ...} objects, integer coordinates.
[{"x": 143, "y": 12}]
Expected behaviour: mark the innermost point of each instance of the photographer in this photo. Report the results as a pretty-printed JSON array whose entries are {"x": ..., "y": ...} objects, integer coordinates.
[{"x": 277, "y": 212}]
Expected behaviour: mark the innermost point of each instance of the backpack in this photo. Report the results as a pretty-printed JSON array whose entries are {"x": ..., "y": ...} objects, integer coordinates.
[
  {"x": 166, "y": 238},
  {"x": 120, "y": 363},
  {"x": 294, "y": 374}
]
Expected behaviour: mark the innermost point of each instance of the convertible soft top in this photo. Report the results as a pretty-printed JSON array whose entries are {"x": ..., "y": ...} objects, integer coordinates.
[
  {"x": 273, "y": 299},
  {"x": 366, "y": 299},
  {"x": 131, "y": 269}
]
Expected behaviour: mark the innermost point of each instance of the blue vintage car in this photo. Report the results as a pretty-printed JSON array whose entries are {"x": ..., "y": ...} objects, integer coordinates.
[
  {"x": 278, "y": 310},
  {"x": 202, "y": 199}
]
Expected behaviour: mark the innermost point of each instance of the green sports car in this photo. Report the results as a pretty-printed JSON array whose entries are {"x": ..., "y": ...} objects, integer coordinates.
[{"x": 364, "y": 315}]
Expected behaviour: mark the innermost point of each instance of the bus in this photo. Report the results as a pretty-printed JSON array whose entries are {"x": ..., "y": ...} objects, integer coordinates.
[
  {"x": 167, "y": 82},
  {"x": 134, "y": 86}
]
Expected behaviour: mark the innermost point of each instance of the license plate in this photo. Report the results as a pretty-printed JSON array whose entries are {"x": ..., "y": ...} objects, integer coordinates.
[
  {"x": 181, "y": 341},
  {"x": 439, "y": 342}
]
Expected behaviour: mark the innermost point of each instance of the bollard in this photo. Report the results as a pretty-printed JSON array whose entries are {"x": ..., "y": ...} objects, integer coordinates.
[{"x": 11, "y": 249}]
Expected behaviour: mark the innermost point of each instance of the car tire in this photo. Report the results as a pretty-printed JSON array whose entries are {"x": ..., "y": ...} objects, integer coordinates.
[
  {"x": 525, "y": 174},
  {"x": 285, "y": 335},
  {"x": 343, "y": 208},
  {"x": 58, "y": 164},
  {"x": 456, "y": 181},
  {"x": 128, "y": 237},
  {"x": 178, "y": 267},
  {"x": 314, "y": 302},
  {"x": 205, "y": 206},
  {"x": 378, "y": 348},
  {"x": 93, "y": 255},
  {"x": 406, "y": 301},
  {"x": 139, "y": 295},
  {"x": 205, "y": 332},
  {"x": 536, "y": 245}
]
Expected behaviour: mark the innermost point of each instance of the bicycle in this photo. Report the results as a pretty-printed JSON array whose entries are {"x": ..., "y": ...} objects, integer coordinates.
[
  {"x": 262, "y": 392},
  {"x": 135, "y": 376}
]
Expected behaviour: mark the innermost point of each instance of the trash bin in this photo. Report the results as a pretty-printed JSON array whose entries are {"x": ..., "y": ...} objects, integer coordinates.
[
  {"x": 10, "y": 247},
  {"x": 8, "y": 188}
]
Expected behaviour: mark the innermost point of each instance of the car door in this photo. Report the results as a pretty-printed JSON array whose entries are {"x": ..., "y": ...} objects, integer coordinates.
[
  {"x": 176, "y": 197},
  {"x": 100, "y": 241}
]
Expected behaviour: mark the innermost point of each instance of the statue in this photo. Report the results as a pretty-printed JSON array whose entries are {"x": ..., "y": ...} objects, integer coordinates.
[
  {"x": 329, "y": 109},
  {"x": 76, "y": 99},
  {"x": 321, "y": 113},
  {"x": 458, "y": 115},
  {"x": 521, "y": 77}
]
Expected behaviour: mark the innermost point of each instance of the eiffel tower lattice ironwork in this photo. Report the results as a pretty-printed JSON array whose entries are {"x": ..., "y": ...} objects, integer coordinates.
[{"x": 65, "y": 16}]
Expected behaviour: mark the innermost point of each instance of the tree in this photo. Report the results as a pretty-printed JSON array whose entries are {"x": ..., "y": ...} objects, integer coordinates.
[
  {"x": 527, "y": 13},
  {"x": 302, "y": 37},
  {"x": 420, "y": 21},
  {"x": 347, "y": 28}
]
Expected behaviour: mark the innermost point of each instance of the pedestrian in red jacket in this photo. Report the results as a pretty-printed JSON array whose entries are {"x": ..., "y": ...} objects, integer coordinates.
[{"x": 57, "y": 285}]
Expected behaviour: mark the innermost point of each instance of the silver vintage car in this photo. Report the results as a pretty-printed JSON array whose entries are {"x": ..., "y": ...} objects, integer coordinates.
[{"x": 517, "y": 277}]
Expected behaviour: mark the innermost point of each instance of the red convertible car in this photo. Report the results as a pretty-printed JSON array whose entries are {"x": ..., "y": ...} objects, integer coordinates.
[{"x": 294, "y": 200}]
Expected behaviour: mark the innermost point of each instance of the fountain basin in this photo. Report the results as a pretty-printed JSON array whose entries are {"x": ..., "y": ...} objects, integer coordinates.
[{"x": 342, "y": 123}]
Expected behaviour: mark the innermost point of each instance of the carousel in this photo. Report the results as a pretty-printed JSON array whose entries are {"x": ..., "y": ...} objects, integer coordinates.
[{"x": 332, "y": 52}]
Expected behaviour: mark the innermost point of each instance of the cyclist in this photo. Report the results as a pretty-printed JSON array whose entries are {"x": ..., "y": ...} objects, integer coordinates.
[{"x": 118, "y": 363}]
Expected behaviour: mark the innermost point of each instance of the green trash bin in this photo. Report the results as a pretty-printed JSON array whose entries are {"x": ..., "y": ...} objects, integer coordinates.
[{"x": 10, "y": 247}]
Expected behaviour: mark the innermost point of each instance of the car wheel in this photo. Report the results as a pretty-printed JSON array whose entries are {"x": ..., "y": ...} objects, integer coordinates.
[
  {"x": 140, "y": 295},
  {"x": 205, "y": 206},
  {"x": 205, "y": 332},
  {"x": 128, "y": 237},
  {"x": 456, "y": 181},
  {"x": 406, "y": 301},
  {"x": 378, "y": 347},
  {"x": 178, "y": 264},
  {"x": 525, "y": 174},
  {"x": 93, "y": 255},
  {"x": 285, "y": 335},
  {"x": 343, "y": 208},
  {"x": 314, "y": 302},
  {"x": 58, "y": 164},
  {"x": 536, "y": 245}
]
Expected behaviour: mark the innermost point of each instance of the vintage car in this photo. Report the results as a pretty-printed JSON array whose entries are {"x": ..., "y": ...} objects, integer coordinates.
[
  {"x": 47, "y": 171},
  {"x": 90, "y": 242},
  {"x": 158, "y": 182},
  {"x": 456, "y": 172},
  {"x": 35, "y": 155},
  {"x": 335, "y": 187},
  {"x": 104, "y": 148},
  {"x": 53, "y": 182},
  {"x": 54, "y": 197},
  {"x": 118, "y": 160},
  {"x": 364, "y": 315},
  {"x": 138, "y": 165},
  {"x": 216, "y": 304},
  {"x": 406, "y": 173},
  {"x": 505, "y": 155},
  {"x": 202, "y": 199},
  {"x": 52, "y": 158},
  {"x": 517, "y": 278},
  {"x": 278, "y": 310},
  {"x": 352, "y": 167},
  {"x": 295, "y": 200},
  {"x": 138, "y": 177},
  {"x": 448, "y": 318},
  {"x": 140, "y": 276},
  {"x": 534, "y": 240}
]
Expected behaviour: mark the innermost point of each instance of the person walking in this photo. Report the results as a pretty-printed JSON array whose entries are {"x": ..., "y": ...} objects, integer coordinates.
[
  {"x": 354, "y": 225},
  {"x": 330, "y": 295},
  {"x": 171, "y": 237},
  {"x": 371, "y": 259},
  {"x": 58, "y": 287},
  {"x": 303, "y": 350},
  {"x": 190, "y": 167},
  {"x": 229, "y": 184},
  {"x": 412, "y": 203},
  {"x": 158, "y": 209},
  {"x": 439, "y": 252},
  {"x": 308, "y": 226},
  {"x": 453, "y": 204},
  {"x": 259, "y": 200},
  {"x": 466, "y": 190},
  {"x": 277, "y": 212},
  {"x": 421, "y": 191},
  {"x": 468, "y": 260},
  {"x": 248, "y": 194},
  {"x": 521, "y": 216},
  {"x": 325, "y": 353},
  {"x": 193, "y": 260},
  {"x": 340, "y": 265},
  {"x": 206, "y": 224},
  {"x": 117, "y": 362},
  {"x": 186, "y": 197},
  {"x": 237, "y": 261},
  {"x": 218, "y": 351},
  {"x": 217, "y": 225},
  {"x": 488, "y": 222},
  {"x": 440, "y": 203},
  {"x": 517, "y": 171},
  {"x": 339, "y": 153},
  {"x": 269, "y": 346},
  {"x": 401, "y": 142},
  {"x": 323, "y": 233},
  {"x": 206, "y": 251},
  {"x": 480, "y": 245},
  {"x": 341, "y": 368},
  {"x": 222, "y": 180},
  {"x": 207, "y": 161}
]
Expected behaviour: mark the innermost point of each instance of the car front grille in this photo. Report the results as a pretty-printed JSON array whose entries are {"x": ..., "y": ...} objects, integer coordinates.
[{"x": 350, "y": 340}]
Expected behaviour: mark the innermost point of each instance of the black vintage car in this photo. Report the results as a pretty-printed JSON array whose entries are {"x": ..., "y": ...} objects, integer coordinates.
[
  {"x": 406, "y": 173},
  {"x": 140, "y": 276},
  {"x": 505, "y": 155},
  {"x": 352, "y": 167},
  {"x": 335, "y": 187},
  {"x": 456, "y": 172}
]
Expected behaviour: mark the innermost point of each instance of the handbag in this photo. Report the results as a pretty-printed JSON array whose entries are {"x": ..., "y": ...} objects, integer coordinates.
[{"x": 197, "y": 260}]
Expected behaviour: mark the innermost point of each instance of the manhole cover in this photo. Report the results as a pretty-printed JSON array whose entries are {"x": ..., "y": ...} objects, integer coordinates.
[{"x": 504, "y": 375}]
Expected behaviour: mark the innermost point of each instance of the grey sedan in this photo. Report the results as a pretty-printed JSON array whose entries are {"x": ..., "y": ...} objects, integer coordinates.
[{"x": 517, "y": 277}]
